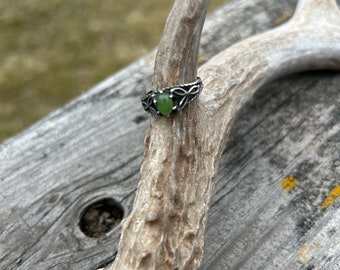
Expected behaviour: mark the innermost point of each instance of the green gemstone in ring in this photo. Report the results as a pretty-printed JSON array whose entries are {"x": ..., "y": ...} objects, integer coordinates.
[
  {"x": 164, "y": 104},
  {"x": 171, "y": 99}
]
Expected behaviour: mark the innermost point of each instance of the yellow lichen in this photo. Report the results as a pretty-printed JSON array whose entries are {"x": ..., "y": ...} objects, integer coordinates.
[
  {"x": 307, "y": 251},
  {"x": 201, "y": 58},
  {"x": 303, "y": 255},
  {"x": 331, "y": 198},
  {"x": 284, "y": 17},
  {"x": 288, "y": 183}
]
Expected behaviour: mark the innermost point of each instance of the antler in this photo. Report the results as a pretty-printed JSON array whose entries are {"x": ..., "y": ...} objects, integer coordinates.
[{"x": 165, "y": 229}]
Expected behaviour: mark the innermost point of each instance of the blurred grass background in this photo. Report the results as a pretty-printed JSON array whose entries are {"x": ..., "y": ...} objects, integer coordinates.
[{"x": 52, "y": 51}]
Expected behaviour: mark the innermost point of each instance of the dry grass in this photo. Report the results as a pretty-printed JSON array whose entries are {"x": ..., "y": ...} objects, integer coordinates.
[{"x": 51, "y": 51}]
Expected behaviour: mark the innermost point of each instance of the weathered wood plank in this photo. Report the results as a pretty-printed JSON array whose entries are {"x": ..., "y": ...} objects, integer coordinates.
[
  {"x": 92, "y": 149},
  {"x": 265, "y": 227}
]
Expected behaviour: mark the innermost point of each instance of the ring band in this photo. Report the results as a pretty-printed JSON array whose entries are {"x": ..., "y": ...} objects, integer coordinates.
[{"x": 171, "y": 99}]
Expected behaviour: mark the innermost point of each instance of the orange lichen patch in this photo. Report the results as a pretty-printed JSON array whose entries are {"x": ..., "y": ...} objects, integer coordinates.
[
  {"x": 288, "y": 183},
  {"x": 333, "y": 195}
]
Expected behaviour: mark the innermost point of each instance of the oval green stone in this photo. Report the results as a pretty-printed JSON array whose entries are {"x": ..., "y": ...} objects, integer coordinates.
[{"x": 164, "y": 104}]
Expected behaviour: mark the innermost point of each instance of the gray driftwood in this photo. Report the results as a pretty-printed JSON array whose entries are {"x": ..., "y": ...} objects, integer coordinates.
[
  {"x": 92, "y": 149},
  {"x": 183, "y": 151}
]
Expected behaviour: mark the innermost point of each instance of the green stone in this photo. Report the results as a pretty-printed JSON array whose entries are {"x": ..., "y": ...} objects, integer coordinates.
[{"x": 164, "y": 104}]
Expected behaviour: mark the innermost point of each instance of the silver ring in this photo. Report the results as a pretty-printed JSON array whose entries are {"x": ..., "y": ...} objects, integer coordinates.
[{"x": 171, "y": 99}]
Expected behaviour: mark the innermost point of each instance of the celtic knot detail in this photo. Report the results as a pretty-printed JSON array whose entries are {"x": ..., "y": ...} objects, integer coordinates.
[{"x": 180, "y": 96}]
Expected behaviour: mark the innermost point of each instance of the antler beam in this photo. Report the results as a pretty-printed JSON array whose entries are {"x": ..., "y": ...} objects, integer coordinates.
[{"x": 166, "y": 227}]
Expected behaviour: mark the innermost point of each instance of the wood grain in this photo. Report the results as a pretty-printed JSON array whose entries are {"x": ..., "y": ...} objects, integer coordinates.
[
  {"x": 183, "y": 151},
  {"x": 92, "y": 148}
]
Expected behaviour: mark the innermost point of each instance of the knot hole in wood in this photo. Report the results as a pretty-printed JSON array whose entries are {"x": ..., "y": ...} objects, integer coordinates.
[{"x": 101, "y": 217}]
